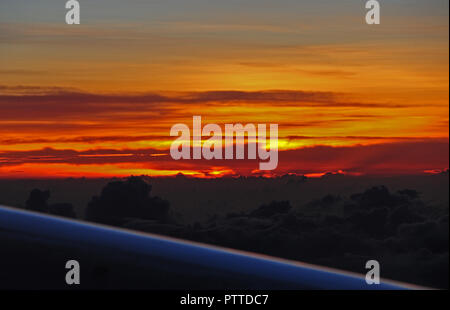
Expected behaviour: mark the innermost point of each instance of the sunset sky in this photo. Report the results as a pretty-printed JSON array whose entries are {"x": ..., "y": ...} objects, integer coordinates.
[{"x": 99, "y": 99}]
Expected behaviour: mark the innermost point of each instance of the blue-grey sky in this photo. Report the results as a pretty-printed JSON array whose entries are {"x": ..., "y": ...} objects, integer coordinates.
[{"x": 49, "y": 11}]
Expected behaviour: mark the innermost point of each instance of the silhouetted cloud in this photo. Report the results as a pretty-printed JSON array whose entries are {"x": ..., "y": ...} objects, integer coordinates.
[
  {"x": 38, "y": 201},
  {"x": 120, "y": 200},
  {"x": 335, "y": 231},
  {"x": 407, "y": 235}
]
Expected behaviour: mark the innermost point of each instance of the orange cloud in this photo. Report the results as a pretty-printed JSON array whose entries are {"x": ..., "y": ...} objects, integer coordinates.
[{"x": 388, "y": 159}]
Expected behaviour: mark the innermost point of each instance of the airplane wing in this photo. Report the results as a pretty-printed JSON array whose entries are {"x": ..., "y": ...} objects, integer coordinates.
[{"x": 35, "y": 248}]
